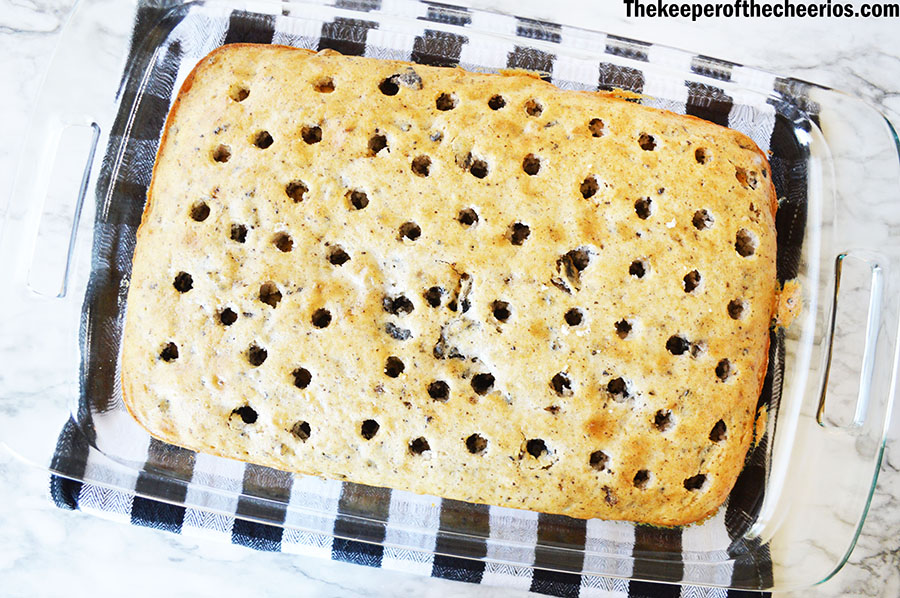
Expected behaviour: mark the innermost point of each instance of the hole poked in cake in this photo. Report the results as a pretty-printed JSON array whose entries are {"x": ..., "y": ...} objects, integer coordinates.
[
  {"x": 393, "y": 367},
  {"x": 398, "y": 305},
  {"x": 283, "y": 242},
  {"x": 321, "y": 318},
  {"x": 647, "y": 142},
  {"x": 589, "y": 187},
  {"x": 256, "y": 355},
  {"x": 169, "y": 352},
  {"x": 408, "y": 78},
  {"x": 534, "y": 107},
  {"x": 476, "y": 444},
  {"x": 561, "y": 384},
  {"x": 467, "y": 217},
  {"x": 421, "y": 166},
  {"x": 500, "y": 310},
  {"x": 301, "y": 430},
  {"x": 677, "y": 345},
  {"x": 238, "y": 233},
  {"x": 643, "y": 207},
  {"x": 691, "y": 281},
  {"x": 324, "y": 85},
  {"x": 641, "y": 479},
  {"x": 482, "y": 383},
  {"x": 736, "y": 309},
  {"x": 745, "y": 243},
  {"x": 724, "y": 370},
  {"x": 358, "y": 199},
  {"x": 263, "y": 140},
  {"x": 199, "y": 211},
  {"x": 464, "y": 304},
  {"x": 576, "y": 261},
  {"x": 239, "y": 92},
  {"x": 496, "y": 102},
  {"x": 518, "y": 233},
  {"x": 419, "y": 446},
  {"x": 574, "y": 317},
  {"x": 433, "y": 296},
  {"x": 531, "y": 164},
  {"x": 311, "y": 134},
  {"x": 183, "y": 282},
  {"x": 269, "y": 294},
  {"x": 662, "y": 420},
  {"x": 619, "y": 388},
  {"x": 247, "y": 414},
  {"x": 747, "y": 178},
  {"x": 368, "y": 429},
  {"x": 302, "y": 377},
  {"x": 701, "y": 155},
  {"x": 624, "y": 328},
  {"x": 719, "y": 431},
  {"x": 388, "y": 86},
  {"x": 536, "y": 447},
  {"x": 479, "y": 168},
  {"x": 638, "y": 268},
  {"x": 377, "y": 142},
  {"x": 337, "y": 256},
  {"x": 446, "y": 101},
  {"x": 410, "y": 230},
  {"x": 221, "y": 153},
  {"x": 228, "y": 316},
  {"x": 695, "y": 483},
  {"x": 296, "y": 190},
  {"x": 597, "y": 127},
  {"x": 439, "y": 390},
  {"x": 598, "y": 460},
  {"x": 702, "y": 220}
]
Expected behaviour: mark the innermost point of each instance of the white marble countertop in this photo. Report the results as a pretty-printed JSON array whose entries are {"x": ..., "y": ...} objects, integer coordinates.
[{"x": 45, "y": 551}]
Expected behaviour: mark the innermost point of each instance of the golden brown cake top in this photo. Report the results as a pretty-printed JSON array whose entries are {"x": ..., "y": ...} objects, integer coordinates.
[{"x": 469, "y": 285}]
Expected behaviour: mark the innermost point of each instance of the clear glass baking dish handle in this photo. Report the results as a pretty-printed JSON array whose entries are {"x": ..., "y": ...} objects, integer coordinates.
[
  {"x": 48, "y": 199},
  {"x": 865, "y": 268},
  {"x": 837, "y": 439},
  {"x": 46, "y": 226},
  {"x": 45, "y": 240}
]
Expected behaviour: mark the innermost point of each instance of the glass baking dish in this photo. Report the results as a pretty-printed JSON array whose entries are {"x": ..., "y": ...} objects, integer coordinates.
[{"x": 68, "y": 236}]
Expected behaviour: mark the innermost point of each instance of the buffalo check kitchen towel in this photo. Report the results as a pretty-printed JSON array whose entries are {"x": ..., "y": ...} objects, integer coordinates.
[{"x": 132, "y": 477}]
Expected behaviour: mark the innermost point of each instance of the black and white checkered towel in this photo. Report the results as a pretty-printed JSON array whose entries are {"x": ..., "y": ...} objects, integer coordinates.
[{"x": 106, "y": 464}]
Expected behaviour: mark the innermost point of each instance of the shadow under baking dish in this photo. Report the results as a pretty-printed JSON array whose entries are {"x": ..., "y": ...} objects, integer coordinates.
[{"x": 806, "y": 482}]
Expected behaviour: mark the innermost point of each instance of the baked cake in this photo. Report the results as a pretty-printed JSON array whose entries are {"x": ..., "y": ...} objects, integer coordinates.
[{"x": 475, "y": 286}]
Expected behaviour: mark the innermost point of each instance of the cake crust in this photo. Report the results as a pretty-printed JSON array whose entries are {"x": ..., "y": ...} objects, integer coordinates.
[{"x": 469, "y": 285}]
